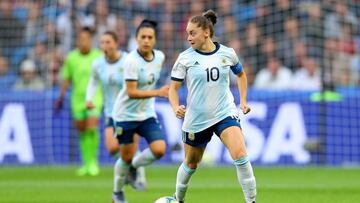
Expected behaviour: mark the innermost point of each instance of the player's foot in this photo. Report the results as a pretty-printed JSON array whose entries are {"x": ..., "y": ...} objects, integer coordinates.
[
  {"x": 140, "y": 182},
  {"x": 82, "y": 171},
  {"x": 94, "y": 170},
  {"x": 139, "y": 186},
  {"x": 118, "y": 197},
  {"x": 132, "y": 175},
  {"x": 176, "y": 199}
]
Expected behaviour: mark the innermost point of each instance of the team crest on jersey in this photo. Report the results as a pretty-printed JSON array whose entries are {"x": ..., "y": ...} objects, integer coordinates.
[
  {"x": 223, "y": 61},
  {"x": 191, "y": 136},
  {"x": 119, "y": 131}
]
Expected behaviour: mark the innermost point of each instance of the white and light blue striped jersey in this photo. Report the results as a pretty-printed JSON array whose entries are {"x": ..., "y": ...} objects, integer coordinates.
[
  {"x": 146, "y": 73},
  {"x": 110, "y": 75},
  {"x": 209, "y": 99}
]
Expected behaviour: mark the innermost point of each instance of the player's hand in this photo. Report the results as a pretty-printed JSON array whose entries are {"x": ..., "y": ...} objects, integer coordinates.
[
  {"x": 180, "y": 111},
  {"x": 89, "y": 105},
  {"x": 58, "y": 104},
  {"x": 244, "y": 108},
  {"x": 164, "y": 91}
]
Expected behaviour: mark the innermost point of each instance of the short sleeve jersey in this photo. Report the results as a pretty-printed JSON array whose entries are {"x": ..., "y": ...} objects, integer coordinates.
[
  {"x": 146, "y": 73},
  {"x": 77, "y": 69},
  {"x": 209, "y": 99},
  {"x": 111, "y": 77}
]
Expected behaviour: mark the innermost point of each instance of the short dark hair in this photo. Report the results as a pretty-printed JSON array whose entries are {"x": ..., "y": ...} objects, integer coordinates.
[
  {"x": 112, "y": 34},
  {"x": 147, "y": 23},
  {"x": 87, "y": 29}
]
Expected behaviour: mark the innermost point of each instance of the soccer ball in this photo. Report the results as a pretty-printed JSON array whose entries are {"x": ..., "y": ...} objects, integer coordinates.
[{"x": 166, "y": 199}]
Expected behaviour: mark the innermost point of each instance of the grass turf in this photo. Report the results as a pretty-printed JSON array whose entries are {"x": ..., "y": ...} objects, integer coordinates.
[{"x": 208, "y": 185}]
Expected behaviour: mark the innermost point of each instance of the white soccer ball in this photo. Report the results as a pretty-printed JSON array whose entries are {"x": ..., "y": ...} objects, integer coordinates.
[{"x": 166, "y": 199}]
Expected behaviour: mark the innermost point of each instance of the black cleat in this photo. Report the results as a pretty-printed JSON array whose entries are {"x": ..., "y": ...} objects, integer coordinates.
[{"x": 177, "y": 200}]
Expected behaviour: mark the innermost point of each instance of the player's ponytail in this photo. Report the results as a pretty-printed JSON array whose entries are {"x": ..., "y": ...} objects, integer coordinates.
[
  {"x": 205, "y": 21},
  {"x": 211, "y": 16},
  {"x": 147, "y": 23}
]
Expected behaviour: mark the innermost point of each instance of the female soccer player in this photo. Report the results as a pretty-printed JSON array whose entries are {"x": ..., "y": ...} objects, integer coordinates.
[
  {"x": 76, "y": 72},
  {"x": 205, "y": 66},
  {"x": 108, "y": 70},
  {"x": 134, "y": 109}
]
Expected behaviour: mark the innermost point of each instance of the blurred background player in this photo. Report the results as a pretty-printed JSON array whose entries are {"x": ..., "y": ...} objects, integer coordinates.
[
  {"x": 108, "y": 70},
  {"x": 209, "y": 113},
  {"x": 76, "y": 72},
  {"x": 134, "y": 109}
]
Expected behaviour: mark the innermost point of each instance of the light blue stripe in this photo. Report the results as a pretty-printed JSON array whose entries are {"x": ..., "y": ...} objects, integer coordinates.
[
  {"x": 187, "y": 169},
  {"x": 123, "y": 164},
  {"x": 243, "y": 160}
]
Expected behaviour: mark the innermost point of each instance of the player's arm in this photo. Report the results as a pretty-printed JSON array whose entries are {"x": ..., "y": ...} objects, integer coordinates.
[
  {"x": 179, "y": 110},
  {"x": 241, "y": 80},
  {"x": 66, "y": 75},
  {"x": 91, "y": 88},
  {"x": 135, "y": 93},
  {"x": 242, "y": 86}
]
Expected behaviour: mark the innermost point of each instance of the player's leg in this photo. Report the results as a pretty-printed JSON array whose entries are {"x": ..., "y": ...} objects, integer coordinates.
[
  {"x": 111, "y": 143},
  {"x": 79, "y": 116},
  {"x": 193, "y": 157},
  {"x": 150, "y": 129},
  {"x": 232, "y": 137},
  {"x": 125, "y": 132},
  {"x": 194, "y": 147},
  {"x": 92, "y": 123}
]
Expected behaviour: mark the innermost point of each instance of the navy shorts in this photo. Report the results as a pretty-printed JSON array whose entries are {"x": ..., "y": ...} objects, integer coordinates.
[
  {"x": 149, "y": 129},
  {"x": 200, "y": 139},
  {"x": 109, "y": 122}
]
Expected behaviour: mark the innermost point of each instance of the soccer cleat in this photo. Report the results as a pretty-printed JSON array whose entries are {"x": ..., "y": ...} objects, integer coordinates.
[
  {"x": 176, "y": 199},
  {"x": 139, "y": 186},
  {"x": 119, "y": 197},
  {"x": 93, "y": 170}
]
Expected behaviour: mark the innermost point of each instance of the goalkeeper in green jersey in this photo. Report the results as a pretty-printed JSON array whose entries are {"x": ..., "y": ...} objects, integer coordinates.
[{"x": 76, "y": 72}]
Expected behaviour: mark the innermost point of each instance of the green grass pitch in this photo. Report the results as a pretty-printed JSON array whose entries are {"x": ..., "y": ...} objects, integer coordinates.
[{"x": 208, "y": 185}]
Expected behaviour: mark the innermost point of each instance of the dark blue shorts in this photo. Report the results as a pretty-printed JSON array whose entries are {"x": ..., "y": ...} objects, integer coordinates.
[
  {"x": 149, "y": 129},
  {"x": 109, "y": 122},
  {"x": 200, "y": 139}
]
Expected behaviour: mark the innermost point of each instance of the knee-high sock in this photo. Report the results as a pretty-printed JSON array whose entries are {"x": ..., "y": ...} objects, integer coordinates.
[
  {"x": 182, "y": 181},
  {"x": 85, "y": 146},
  {"x": 94, "y": 148},
  {"x": 144, "y": 158},
  {"x": 246, "y": 178},
  {"x": 121, "y": 170}
]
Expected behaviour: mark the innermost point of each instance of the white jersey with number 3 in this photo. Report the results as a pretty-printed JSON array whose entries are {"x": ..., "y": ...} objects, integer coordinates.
[
  {"x": 209, "y": 98},
  {"x": 146, "y": 74}
]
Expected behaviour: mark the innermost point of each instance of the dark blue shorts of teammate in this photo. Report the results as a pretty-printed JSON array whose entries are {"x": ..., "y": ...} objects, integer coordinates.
[
  {"x": 150, "y": 129},
  {"x": 200, "y": 139}
]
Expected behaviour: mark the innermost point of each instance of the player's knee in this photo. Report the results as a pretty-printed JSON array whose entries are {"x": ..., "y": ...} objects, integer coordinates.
[
  {"x": 158, "y": 153},
  {"x": 113, "y": 150},
  {"x": 127, "y": 159}
]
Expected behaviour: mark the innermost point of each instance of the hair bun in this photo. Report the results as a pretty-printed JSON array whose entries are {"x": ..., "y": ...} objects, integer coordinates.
[
  {"x": 149, "y": 22},
  {"x": 211, "y": 15}
]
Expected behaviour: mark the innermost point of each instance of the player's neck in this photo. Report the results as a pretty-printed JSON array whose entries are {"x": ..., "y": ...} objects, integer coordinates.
[
  {"x": 208, "y": 46},
  {"x": 112, "y": 58},
  {"x": 148, "y": 56}
]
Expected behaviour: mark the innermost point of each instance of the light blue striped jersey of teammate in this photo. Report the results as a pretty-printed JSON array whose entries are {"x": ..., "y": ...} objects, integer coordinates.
[
  {"x": 110, "y": 75},
  {"x": 209, "y": 99},
  {"x": 146, "y": 73}
]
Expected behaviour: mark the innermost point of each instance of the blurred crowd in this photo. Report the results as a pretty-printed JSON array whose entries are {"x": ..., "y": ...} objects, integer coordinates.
[{"x": 283, "y": 44}]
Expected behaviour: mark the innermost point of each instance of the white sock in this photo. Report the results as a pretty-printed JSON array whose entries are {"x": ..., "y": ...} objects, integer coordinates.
[
  {"x": 246, "y": 178},
  {"x": 182, "y": 179},
  {"x": 144, "y": 158},
  {"x": 121, "y": 170}
]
